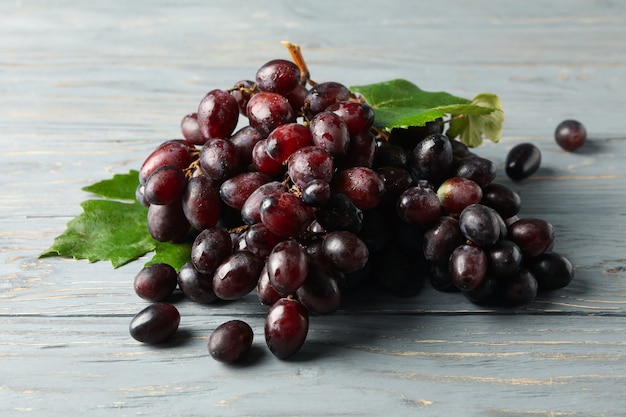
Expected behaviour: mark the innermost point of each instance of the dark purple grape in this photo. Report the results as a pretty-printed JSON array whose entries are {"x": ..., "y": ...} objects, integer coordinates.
[
  {"x": 278, "y": 76},
  {"x": 505, "y": 258},
  {"x": 345, "y": 251},
  {"x": 486, "y": 293},
  {"x": 480, "y": 170},
  {"x": 570, "y": 135},
  {"x": 480, "y": 224},
  {"x": 533, "y": 236},
  {"x": 244, "y": 141},
  {"x": 361, "y": 151},
  {"x": 358, "y": 117},
  {"x": 237, "y": 275},
  {"x": 390, "y": 155},
  {"x": 210, "y": 248},
  {"x": 287, "y": 266},
  {"x": 219, "y": 160},
  {"x": 419, "y": 205},
  {"x": 266, "y": 293},
  {"x": 408, "y": 137},
  {"x": 230, "y": 341},
  {"x": 551, "y": 270},
  {"x": 190, "y": 129},
  {"x": 286, "y": 327},
  {"x": 320, "y": 292},
  {"x": 316, "y": 229},
  {"x": 218, "y": 114},
  {"x": 330, "y": 132},
  {"x": 468, "y": 267},
  {"x": 266, "y": 111},
  {"x": 201, "y": 202},
  {"x": 431, "y": 159},
  {"x": 314, "y": 251},
  {"x": 165, "y": 185},
  {"x": 242, "y": 91},
  {"x": 286, "y": 139},
  {"x": 167, "y": 222},
  {"x": 522, "y": 161},
  {"x": 461, "y": 150},
  {"x": 441, "y": 239},
  {"x": 316, "y": 193},
  {"x": 321, "y": 96},
  {"x": 139, "y": 195},
  {"x": 397, "y": 181},
  {"x": 236, "y": 190},
  {"x": 456, "y": 193},
  {"x": 296, "y": 98},
  {"x": 250, "y": 212},
  {"x": 440, "y": 280},
  {"x": 310, "y": 163},
  {"x": 361, "y": 185},
  {"x": 155, "y": 282},
  {"x": 340, "y": 213},
  {"x": 502, "y": 199},
  {"x": 285, "y": 215},
  {"x": 155, "y": 323},
  {"x": 260, "y": 241},
  {"x": 171, "y": 152},
  {"x": 504, "y": 231},
  {"x": 195, "y": 285},
  {"x": 262, "y": 162},
  {"x": 519, "y": 289}
]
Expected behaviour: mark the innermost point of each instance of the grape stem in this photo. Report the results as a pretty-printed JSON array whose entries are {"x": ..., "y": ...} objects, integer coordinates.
[
  {"x": 194, "y": 166},
  {"x": 239, "y": 229},
  {"x": 296, "y": 55},
  {"x": 452, "y": 119}
]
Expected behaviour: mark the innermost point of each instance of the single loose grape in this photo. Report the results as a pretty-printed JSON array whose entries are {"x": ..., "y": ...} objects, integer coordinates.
[
  {"x": 286, "y": 327},
  {"x": 230, "y": 341},
  {"x": 570, "y": 134},
  {"x": 522, "y": 161},
  {"x": 155, "y": 323}
]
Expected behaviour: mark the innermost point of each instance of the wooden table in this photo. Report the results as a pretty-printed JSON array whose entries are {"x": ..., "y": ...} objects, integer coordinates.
[{"x": 89, "y": 89}]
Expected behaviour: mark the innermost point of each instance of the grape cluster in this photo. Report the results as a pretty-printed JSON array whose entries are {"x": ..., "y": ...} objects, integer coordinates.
[{"x": 308, "y": 202}]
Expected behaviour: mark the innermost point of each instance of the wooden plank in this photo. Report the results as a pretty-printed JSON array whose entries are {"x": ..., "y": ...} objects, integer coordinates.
[{"x": 515, "y": 365}]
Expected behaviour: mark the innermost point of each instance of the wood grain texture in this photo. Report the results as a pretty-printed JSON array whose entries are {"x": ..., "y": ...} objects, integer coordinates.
[{"x": 88, "y": 90}]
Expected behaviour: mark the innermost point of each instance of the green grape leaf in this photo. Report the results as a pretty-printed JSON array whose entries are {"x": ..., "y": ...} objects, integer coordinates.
[
  {"x": 471, "y": 128},
  {"x": 174, "y": 254},
  {"x": 120, "y": 187},
  {"x": 106, "y": 230},
  {"x": 400, "y": 104},
  {"x": 115, "y": 228}
]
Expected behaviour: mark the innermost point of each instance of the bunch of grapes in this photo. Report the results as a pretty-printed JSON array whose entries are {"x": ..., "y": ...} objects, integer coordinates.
[{"x": 308, "y": 203}]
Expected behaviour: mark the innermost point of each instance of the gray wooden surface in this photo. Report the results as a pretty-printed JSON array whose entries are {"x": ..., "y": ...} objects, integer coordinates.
[{"x": 87, "y": 89}]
